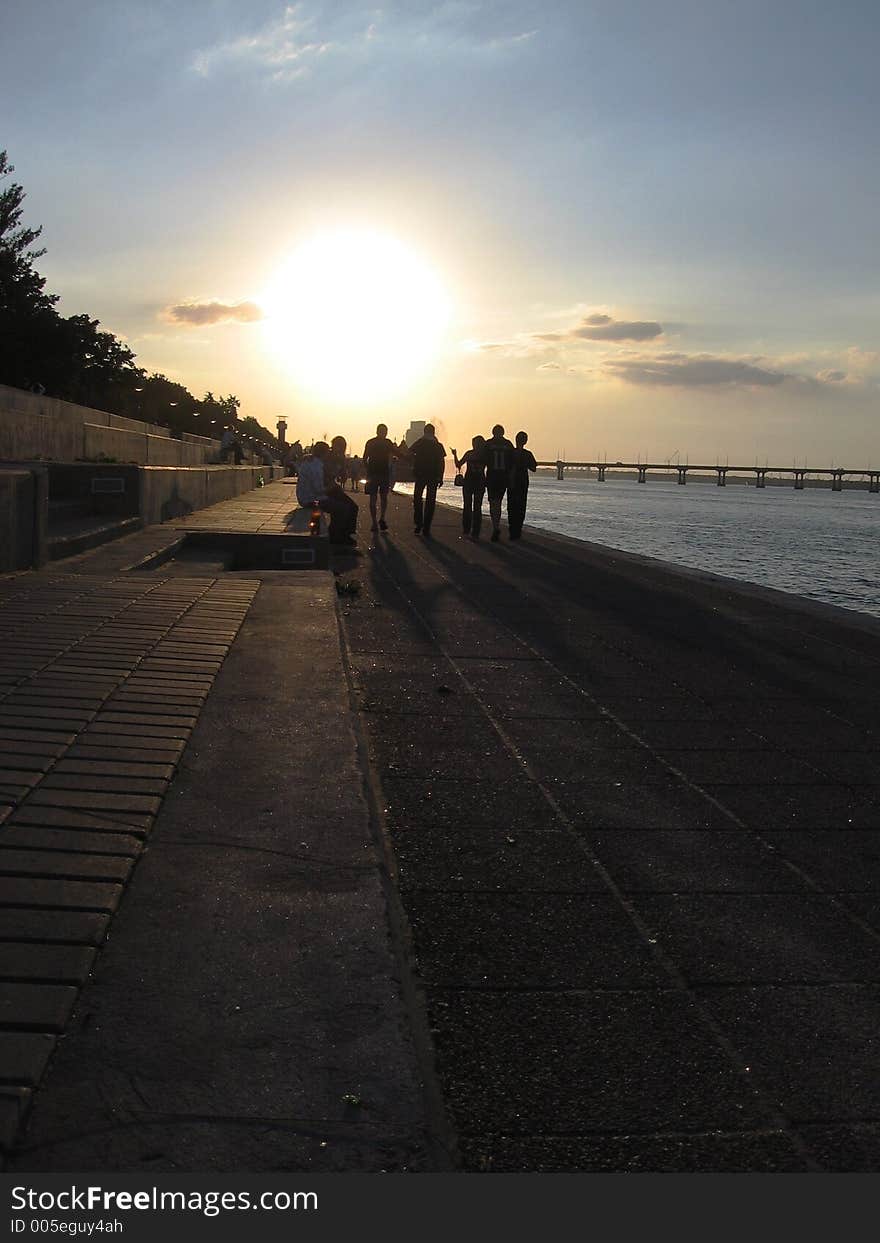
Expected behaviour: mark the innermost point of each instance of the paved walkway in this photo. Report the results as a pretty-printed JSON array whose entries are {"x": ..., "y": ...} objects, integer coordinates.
[{"x": 598, "y": 889}]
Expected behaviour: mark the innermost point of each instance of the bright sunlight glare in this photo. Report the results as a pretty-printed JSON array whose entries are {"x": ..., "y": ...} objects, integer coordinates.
[{"x": 355, "y": 316}]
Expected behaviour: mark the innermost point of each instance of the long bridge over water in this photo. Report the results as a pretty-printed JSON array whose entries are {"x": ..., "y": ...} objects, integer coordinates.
[{"x": 799, "y": 474}]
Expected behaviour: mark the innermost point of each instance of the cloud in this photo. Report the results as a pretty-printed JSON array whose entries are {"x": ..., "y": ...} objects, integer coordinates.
[
  {"x": 292, "y": 45},
  {"x": 604, "y": 328},
  {"x": 213, "y": 312},
  {"x": 831, "y": 377},
  {"x": 693, "y": 371},
  {"x": 550, "y": 367}
]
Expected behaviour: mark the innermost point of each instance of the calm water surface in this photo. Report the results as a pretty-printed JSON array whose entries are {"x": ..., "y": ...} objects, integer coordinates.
[{"x": 815, "y": 543}]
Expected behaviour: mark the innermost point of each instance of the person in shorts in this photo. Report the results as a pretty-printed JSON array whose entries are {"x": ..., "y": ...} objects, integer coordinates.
[
  {"x": 378, "y": 455},
  {"x": 498, "y": 456}
]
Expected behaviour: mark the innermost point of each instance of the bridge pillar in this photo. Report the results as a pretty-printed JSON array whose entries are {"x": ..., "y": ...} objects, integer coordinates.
[
  {"x": 601, "y": 474},
  {"x": 722, "y": 476},
  {"x": 837, "y": 481},
  {"x": 682, "y": 474},
  {"x": 874, "y": 482},
  {"x": 643, "y": 474},
  {"x": 759, "y": 478},
  {"x": 799, "y": 481},
  {"x": 560, "y": 470}
]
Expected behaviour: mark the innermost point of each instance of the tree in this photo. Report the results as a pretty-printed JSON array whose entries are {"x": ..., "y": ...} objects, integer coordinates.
[{"x": 28, "y": 319}]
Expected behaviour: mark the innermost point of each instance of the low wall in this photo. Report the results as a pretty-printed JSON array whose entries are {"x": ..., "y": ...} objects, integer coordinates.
[
  {"x": 173, "y": 492},
  {"x": 23, "y": 518},
  {"x": 34, "y": 426}
]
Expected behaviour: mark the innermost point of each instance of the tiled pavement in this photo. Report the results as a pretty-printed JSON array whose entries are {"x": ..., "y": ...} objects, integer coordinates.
[
  {"x": 101, "y": 682},
  {"x": 634, "y": 820}
]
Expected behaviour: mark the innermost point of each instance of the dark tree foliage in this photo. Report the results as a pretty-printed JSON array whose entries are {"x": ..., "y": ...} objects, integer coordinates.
[{"x": 71, "y": 357}]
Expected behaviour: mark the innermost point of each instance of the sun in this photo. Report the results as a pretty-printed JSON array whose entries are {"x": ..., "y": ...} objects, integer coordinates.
[{"x": 355, "y": 316}]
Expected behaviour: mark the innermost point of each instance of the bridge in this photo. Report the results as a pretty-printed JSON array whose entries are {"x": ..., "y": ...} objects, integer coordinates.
[{"x": 799, "y": 474}]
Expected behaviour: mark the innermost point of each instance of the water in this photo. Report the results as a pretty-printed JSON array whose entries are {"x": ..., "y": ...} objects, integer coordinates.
[{"x": 815, "y": 543}]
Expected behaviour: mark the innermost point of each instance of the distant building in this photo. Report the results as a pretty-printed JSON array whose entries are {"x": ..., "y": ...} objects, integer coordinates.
[{"x": 415, "y": 432}]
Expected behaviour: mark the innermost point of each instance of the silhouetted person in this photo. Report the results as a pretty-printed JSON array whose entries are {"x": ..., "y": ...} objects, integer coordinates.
[
  {"x": 498, "y": 456},
  {"x": 229, "y": 444},
  {"x": 355, "y": 466},
  {"x": 474, "y": 487},
  {"x": 428, "y": 459},
  {"x": 378, "y": 455},
  {"x": 522, "y": 461},
  {"x": 315, "y": 484}
]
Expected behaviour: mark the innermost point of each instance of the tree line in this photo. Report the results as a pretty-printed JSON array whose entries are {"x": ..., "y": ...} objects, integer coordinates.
[{"x": 71, "y": 358}]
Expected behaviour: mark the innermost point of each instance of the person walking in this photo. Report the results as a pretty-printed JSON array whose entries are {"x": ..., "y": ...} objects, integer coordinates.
[
  {"x": 498, "y": 454},
  {"x": 378, "y": 455},
  {"x": 355, "y": 466},
  {"x": 522, "y": 462},
  {"x": 428, "y": 460},
  {"x": 474, "y": 486}
]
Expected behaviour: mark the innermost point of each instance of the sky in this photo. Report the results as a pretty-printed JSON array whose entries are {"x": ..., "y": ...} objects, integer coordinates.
[{"x": 633, "y": 230}]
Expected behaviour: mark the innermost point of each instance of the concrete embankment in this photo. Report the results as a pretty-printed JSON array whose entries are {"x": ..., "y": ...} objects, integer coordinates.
[{"x": 576, "y": 868}]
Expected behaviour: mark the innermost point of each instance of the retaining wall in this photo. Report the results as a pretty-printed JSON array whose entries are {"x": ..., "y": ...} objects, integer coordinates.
[{"x": 35, "y": 426}]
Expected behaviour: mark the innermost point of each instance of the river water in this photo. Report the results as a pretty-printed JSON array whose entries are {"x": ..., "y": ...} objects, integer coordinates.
[{"x": 814, "y": 543}]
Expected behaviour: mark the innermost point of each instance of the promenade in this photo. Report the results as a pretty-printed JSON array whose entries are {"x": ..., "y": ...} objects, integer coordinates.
[{"x": 489, "y": 857}]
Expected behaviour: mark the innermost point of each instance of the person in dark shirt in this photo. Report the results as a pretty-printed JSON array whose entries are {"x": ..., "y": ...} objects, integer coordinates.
[
  {"x": 474, "y": 487},
  {"x": 498, "y": 456},
  {"x": 522, "y": 461},
  {"x": 428, "y": 459},
  {"x": 378, "y": 454}
]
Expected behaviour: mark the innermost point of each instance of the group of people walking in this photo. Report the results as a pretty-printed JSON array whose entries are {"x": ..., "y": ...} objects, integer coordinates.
[{"x": 491, "y": 467}]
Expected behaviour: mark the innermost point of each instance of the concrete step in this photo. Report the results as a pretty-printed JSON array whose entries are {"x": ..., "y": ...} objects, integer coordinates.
[{"x": 76, "y": 535}]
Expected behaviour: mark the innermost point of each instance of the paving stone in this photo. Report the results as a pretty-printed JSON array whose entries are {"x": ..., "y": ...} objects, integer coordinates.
[
  {"x": 526, "y": 1063},
  {"x": 836, "y": 860},
  {"x": 39, "y": 726},
  {"x": 53, "y": 926},
  {"x": 23, "y": 1057},
  {"x": 746, "y": 1153},
  {"x": 13, "y": 793},
  {"x": 97, "y": 783},
  {"x": 638, "y": 805},
  {"x": 141, "y": 745},
  {"x": 163, "y": 713},
  {"x": 166, "y": 755},
  {"x": 129, "y": 727},
  {"x": 814, "y": 1049},
  {"x": 32, "y": 764},
  {"x": 526, "y": 940},
  {"x": 30, "y": 862},
  {"x": 690, "y": 861},
  {"x": 36, "y": 837},
  {"x": 759, "y": 938},
  {"x": 738, "y": 767},
  {"x": 36, "y": 743},
  {"x": 91, "y": 821},
  {"x": 94, "y": 800},
  {"x": 853, "y": 1149},
  {"x": 18, "y": 777},
  {"x": 110, "y": 768},
  {"x": 23, "y": 891},
  {"x": 463, "y": 859},
  {"x": 57, "y": 964},
  {"x": 35, "y": 1007},
  {"x": 799, "y": 807},
  {"x": 515, "y": 805}
]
